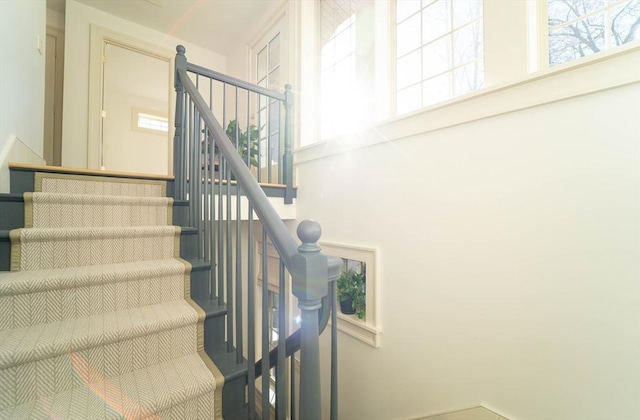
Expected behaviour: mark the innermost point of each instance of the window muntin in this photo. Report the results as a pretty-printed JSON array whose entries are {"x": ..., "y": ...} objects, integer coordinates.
[
  {"x": 439, "y": 51},
  {"x": 578, "y": 28}
]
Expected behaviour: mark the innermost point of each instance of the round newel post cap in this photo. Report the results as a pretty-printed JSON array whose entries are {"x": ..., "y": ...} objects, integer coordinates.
[
  {"x": 180, "y": 49},
  {"x": 309, "y": 231}
]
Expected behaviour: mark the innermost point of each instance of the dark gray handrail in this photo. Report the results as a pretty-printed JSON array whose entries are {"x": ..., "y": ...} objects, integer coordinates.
[
  {"x": 194, "y": 68},
  {"x": 273, "y": 224}
]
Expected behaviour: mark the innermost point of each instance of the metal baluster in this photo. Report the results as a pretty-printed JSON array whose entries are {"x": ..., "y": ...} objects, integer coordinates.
[
  {"x": 266, "y": 331},
  {"x": 287, "y": 157},
  {"x": 221, "y": 172},
  {"x": 269, "y": 140},
  {"x": 293, "y": 386},
  {"x": 211, "y": 201},
  {"x": 281, "y": 396},
  {"x": 228, "y": 247},
  {"x": 238, "y": 300},
  {"x": 183, "y": 152},
  {"x": 260, "y": 96},
  {"x": 334, "y": 350},
  {"x": 251, "y": 332}
]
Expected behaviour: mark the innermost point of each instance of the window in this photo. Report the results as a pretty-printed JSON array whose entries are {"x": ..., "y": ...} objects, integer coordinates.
[
  {"x": 150, "y": 121},
  {"x": 337, "y": 68},
  {"x": 268, "y": 75},
  {"x": 439, "y": 51},
  {"x": 578, "y": 28}
]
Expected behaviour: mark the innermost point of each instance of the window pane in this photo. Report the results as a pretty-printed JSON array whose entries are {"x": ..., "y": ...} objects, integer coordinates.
[
  {"x": 409, "y": 69},
  {"x": 468, "y": 78},
  {"x": 262, "y": 63},
  {"x": 327, "y": 56},
  {"x": 343, "y": 45},
  {"x": 561, "y": 11},
  {"x": 579, "y": 39},
  {"x": 466, "y": 11},
  {"x": 467, "y": 43},
  {"x": 437, "y": 89},
  {"x": 409, "y": 99},
  {"x": 578, "y": 28},
  {"x": 436, "y": 57},
  {"x": 436, "y": 20},
  {"x": 623, "y": 19},
  {"x": 408, "y": 34},
  {"x": 406, "y": 8},
  {"x": 274, "y": 79},
  {"x": 274, "y": 52}
]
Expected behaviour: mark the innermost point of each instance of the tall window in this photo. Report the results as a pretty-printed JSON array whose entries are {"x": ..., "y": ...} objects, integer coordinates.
[
  {"x": 338, "y": 93},
  {"x": 268, "y": 75},
  {"x": 439, "y": 51},
  {"x": 578, "y": 28}
]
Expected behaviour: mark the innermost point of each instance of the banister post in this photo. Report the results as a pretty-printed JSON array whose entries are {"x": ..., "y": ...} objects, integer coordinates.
[
  {"x": 178, "y": 136},
  {"x": 287, "y": 157},
  {"x": 310, "y": 285}
]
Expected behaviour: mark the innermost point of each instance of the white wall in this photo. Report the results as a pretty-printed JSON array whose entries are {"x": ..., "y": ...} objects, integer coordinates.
[
  {"x": 509, "y": 271},
  {"x": 22, "y": 82},
  {"x": 79, "y": 18}
]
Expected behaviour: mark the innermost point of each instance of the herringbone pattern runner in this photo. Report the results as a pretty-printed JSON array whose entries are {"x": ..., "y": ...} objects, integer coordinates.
[{"x": 95, "y": 319}]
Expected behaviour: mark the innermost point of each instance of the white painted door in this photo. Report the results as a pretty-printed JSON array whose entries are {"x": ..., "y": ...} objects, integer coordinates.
[
  {"x": 53, "y": 97},
  {"x": 135, "y": 129}
]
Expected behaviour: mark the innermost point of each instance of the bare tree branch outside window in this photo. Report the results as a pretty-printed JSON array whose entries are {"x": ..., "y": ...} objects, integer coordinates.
[{"x": 578, "y": 28}]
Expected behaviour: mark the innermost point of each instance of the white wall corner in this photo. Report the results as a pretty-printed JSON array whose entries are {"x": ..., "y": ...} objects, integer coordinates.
[{"x": 15, "y": 150}]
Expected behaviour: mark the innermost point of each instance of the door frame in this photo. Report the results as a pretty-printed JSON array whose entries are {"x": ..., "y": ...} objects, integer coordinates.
[
  {"x": 101, "y": 36},
  {"x": 58, "y": 85}
]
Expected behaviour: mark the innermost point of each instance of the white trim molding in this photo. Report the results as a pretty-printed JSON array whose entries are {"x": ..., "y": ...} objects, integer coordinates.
[
  {"x": 368, "y": 329},
  {"x": 606, "y": 70}
]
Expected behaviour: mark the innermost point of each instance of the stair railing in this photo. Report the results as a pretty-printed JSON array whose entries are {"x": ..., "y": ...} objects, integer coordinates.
[{"x": 201, "y": 146}]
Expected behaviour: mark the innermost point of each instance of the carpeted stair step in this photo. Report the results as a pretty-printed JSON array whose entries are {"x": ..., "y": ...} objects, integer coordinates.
[
  {"x": 46, "y": 248},
  {"x": 177, "y": 389},
  {"x": 43, "y": 296},
  {"x": 38, "y": 361},
  {"x": 83, "y": 210},
  {"x": 79, "y": 184}
]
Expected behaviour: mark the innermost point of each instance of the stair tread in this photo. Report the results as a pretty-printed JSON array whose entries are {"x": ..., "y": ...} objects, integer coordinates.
[
  {"x": 227, "y": 363},
  {"x": 41, "y": 341},
  {"x": 211, "y": 307},
  {"x": 138, "y": 394}
]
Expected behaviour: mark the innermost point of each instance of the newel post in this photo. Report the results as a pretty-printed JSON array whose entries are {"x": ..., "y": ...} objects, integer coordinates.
[
  {"x": 310, "y": 285},
  {"x": 178, "y": 136}
]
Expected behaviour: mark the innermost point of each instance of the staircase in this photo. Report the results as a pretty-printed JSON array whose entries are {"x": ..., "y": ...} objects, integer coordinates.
[
  {"x": 111, "y": 311},
  {"x": 96, "y": 319}
]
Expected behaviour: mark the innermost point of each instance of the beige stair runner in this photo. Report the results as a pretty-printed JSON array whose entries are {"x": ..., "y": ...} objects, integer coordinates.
[{"x": 95, "y": 319}]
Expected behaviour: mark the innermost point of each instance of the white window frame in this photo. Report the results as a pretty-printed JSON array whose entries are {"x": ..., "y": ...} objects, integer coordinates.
[
  {"x": 450, "y": 70},
  {"x": 542, "y": 28}
]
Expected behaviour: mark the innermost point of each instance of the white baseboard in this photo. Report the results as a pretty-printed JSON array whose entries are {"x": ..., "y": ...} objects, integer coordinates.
[{"x": 469, "y": 413}]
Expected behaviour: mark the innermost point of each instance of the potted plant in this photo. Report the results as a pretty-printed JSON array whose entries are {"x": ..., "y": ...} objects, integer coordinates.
[
  {"x": 352, "y": 292},
  {"x": 246, "y": 147}
]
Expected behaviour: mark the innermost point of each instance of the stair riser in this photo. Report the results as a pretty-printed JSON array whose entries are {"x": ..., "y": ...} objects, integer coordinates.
[
  {"x": 23, "y": 310},
  {"x": 51, "y": 375},
  {"x": 105, "y": 402},
  {"x": 95, "y": 211},
  {"x": 189, "y": 244}
]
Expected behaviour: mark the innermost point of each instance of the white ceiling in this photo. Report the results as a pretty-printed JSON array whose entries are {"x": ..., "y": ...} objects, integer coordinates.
[{"x": 211, "y": 24}]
